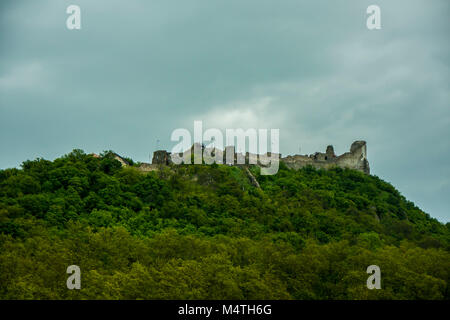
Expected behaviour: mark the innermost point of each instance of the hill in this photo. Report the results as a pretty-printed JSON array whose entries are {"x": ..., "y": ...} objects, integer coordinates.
[{"x": 207, "y": 232}]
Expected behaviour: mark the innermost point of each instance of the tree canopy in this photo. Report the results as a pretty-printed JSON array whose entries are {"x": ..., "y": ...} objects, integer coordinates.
[{"x": 205, "y": 232}]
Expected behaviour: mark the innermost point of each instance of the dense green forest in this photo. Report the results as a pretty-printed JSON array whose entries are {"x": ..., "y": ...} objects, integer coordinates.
[{"x": 205, "y": 232}]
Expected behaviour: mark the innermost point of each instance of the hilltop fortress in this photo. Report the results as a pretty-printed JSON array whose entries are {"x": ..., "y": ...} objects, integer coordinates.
[{"x": 355, "y": 159}]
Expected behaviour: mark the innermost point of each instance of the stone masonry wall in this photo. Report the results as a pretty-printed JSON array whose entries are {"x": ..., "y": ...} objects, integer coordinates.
[{"x": 355, "y": 159}]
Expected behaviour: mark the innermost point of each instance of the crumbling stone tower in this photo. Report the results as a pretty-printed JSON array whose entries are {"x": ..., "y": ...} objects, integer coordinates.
[{"x": 161, "y": 157}]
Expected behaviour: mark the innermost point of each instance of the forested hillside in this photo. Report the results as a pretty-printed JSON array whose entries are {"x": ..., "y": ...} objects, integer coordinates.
[{"x": 205, "y": 232}]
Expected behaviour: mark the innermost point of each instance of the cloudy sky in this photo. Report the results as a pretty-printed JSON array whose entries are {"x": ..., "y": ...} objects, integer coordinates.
[{"x": 137, "y": 70}]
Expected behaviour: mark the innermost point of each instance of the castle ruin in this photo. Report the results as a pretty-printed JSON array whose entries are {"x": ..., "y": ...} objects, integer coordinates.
[{"x": 355, "y": 159}]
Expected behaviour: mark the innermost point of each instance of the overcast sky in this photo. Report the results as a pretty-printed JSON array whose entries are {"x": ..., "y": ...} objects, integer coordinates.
[{"x": 137, "y": 70}]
